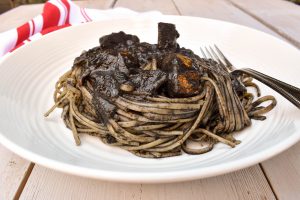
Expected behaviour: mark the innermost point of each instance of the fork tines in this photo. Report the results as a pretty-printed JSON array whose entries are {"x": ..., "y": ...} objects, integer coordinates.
[{"x": 216, "y": 54}]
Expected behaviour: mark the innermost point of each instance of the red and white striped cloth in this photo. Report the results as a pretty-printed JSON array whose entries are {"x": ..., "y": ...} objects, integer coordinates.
[{"x": 57, "y": 14}]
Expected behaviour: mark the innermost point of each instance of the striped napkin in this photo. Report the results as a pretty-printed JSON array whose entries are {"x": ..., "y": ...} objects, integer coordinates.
[{"x": 58, "y": 14}]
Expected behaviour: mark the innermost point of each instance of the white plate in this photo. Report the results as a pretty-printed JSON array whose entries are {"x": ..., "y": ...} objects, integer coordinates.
[{"x": 27, "y": 83}]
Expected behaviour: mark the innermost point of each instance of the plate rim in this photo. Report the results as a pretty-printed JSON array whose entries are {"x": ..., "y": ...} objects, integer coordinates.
[{"x": 149, "y": 177}]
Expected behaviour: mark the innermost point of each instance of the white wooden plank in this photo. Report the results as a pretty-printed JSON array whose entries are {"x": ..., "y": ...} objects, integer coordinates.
[
  {"x": 245, "y": 184},
  {"x": 282, "y": 16},
  {"x": 13, "y": 170},
  {"x": 283, "y": 172},
  {"x": 96, "y": 4},
  {"x": 47, "y": 184},
  {"x": 219, "y": 9},
  {"x": 165, "y": 6}
]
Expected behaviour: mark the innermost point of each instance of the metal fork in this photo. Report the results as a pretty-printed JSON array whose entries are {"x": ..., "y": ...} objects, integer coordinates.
[{"x": 288, "y": 91}]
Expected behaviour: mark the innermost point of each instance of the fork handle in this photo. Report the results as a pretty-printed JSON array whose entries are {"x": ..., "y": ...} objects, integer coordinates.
[{"x": 288, "y": 91}]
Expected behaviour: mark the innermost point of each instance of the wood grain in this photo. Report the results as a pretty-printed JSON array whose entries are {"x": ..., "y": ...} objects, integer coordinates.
[
  {"x": 96, "y": 4},
  {"x": 281, "y": 16},
  {"x": 164, "y": 6},
  {"x": 283, "y": 172},
  {"x": 13, "y": 170},
  {"x": 245, "y": 184},
  {"x": 219, "y": 9}
]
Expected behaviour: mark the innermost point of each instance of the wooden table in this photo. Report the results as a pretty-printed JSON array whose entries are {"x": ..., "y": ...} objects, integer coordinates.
[{"x": 277, "y": 178}]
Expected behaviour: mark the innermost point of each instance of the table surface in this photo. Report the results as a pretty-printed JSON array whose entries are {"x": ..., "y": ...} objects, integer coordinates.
[{"x": 276, "y": 178}]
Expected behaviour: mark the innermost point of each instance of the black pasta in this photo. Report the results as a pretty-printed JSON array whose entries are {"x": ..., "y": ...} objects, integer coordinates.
[{"x": 155, "y": 100}]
